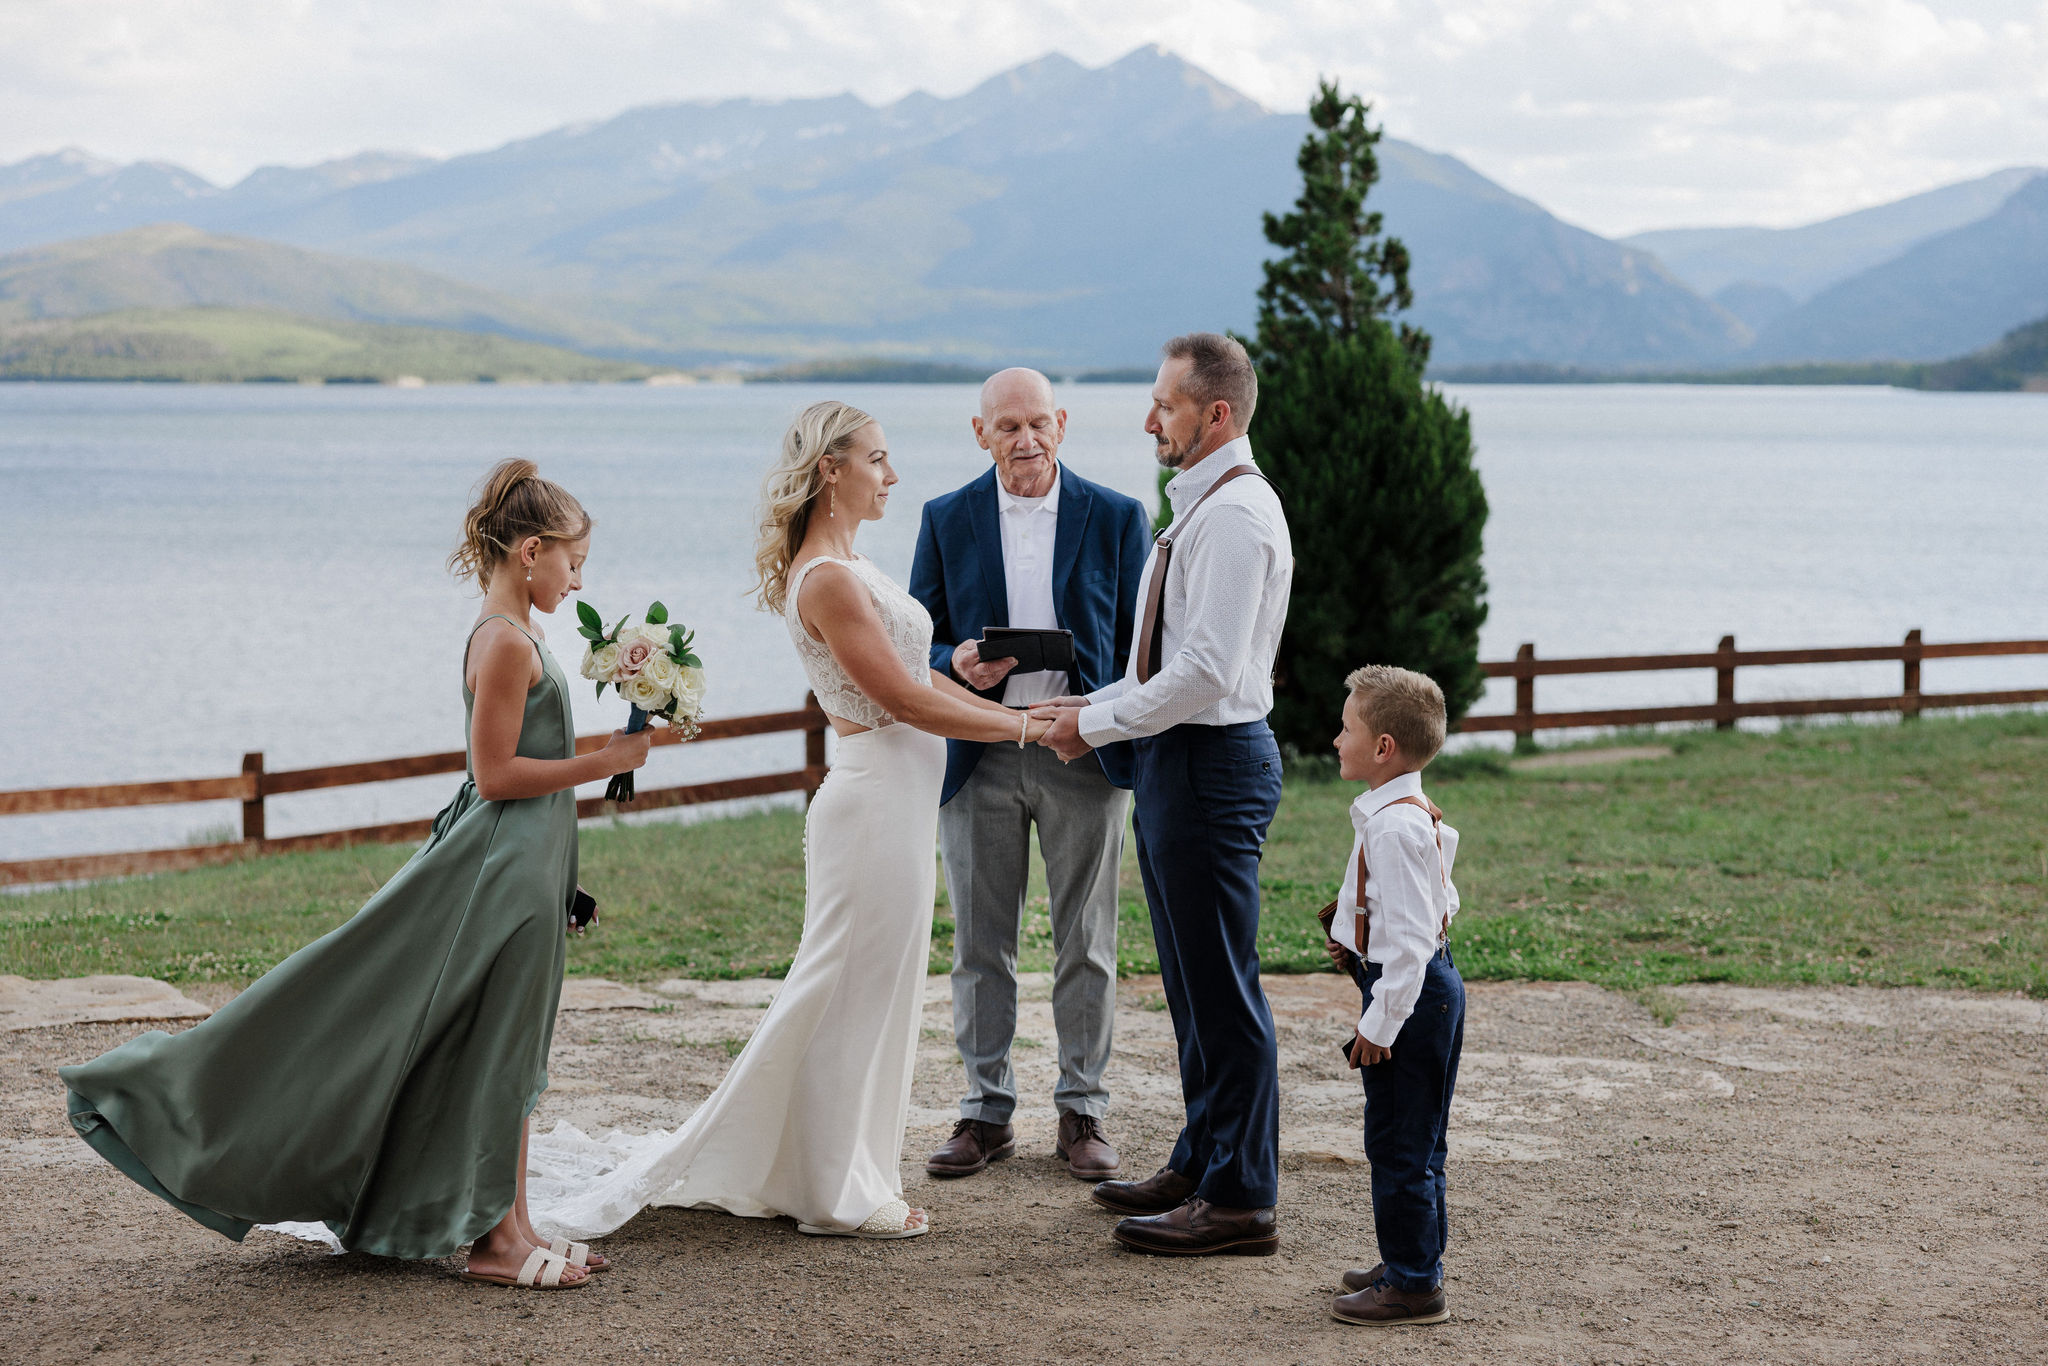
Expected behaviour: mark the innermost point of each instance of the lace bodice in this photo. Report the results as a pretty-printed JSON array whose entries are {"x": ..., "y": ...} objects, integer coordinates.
[{"x": 903, "y": 617}]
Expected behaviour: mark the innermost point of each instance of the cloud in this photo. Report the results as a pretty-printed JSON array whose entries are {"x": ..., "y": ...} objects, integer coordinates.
[{"x": 1618, "y": 115}]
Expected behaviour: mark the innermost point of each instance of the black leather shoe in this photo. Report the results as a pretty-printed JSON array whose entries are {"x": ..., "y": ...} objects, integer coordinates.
[
  {"x": 1200, "y": 1229},
  {"x": 975, "y": 1143},
  {"x": 1163, "y": 1190}
]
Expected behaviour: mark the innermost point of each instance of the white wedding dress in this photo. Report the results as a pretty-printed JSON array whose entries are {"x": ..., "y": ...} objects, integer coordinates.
[{"x": 809, "y": 1120}]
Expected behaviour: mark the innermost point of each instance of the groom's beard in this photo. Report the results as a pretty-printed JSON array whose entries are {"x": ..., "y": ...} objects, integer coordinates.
[{"x": 1171, "y": 456}]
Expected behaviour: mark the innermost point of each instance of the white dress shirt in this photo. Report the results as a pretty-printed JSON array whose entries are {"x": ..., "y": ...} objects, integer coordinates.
[
  {"x": 1409, "y": 891},
  {"x": 1224, "y": 605},
  {"x": 1030, "y": 526}
]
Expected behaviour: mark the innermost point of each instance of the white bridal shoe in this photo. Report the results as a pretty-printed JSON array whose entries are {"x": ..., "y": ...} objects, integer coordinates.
[{"x": 890, "y": 1221}]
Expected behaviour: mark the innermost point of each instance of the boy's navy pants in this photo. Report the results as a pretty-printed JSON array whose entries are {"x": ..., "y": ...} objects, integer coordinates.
[{"x": 1407, "y": 1115}]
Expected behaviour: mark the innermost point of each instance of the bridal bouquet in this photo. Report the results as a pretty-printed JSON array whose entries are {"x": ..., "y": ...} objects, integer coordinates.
[{"x": 652, "y": 666}]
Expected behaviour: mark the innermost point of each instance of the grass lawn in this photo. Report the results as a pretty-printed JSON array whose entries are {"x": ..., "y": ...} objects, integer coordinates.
[{"x": 1896, "y": 854}]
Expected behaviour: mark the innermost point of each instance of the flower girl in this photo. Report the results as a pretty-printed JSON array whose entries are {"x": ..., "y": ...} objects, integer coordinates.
[{"x": 379, "y": 1080}]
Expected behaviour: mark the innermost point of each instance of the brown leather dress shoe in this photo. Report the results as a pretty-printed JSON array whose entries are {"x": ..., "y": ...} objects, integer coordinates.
[
  {"x": 1163, "y": 1190},
  {"x": 1200, "y": 1229},
  {"x": 1084, "y": 1148},
  {"x": 1379, "y": 1305},
  {"x": 975, "y": 1143},
  {"x": 1355, "y": 1280}
]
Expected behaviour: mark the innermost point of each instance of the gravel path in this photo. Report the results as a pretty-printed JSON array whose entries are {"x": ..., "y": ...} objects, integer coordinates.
[{"x": 1781, "y": 1176}]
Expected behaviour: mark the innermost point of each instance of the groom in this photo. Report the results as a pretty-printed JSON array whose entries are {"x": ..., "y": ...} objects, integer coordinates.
[{"x": 1194, "y": 700}]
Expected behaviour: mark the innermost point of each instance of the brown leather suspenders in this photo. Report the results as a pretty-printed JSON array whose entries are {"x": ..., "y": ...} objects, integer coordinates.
[
  {"x": 1151, "y": 630},
  {"x": 1361, "y": 923}
]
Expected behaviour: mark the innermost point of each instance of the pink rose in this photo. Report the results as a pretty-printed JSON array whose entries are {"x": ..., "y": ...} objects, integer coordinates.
[{"x": 633, "y": 657}]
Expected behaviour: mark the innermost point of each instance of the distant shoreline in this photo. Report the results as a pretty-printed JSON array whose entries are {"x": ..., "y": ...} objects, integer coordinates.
[{"x": 256, "y": 346}]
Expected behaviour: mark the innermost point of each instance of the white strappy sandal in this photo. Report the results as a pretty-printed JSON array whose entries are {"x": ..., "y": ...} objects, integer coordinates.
[
  {"x": 892, "y": 1220},
  {"x": 577, "y": 1254},
  {"x": 542, "y": 1271}
]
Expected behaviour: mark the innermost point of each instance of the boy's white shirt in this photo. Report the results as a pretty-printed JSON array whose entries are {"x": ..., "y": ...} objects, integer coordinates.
[{"x": 1409, "y": 890}]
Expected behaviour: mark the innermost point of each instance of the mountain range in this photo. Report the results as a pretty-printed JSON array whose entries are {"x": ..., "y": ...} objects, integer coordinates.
[
  {"x": 1055, "y": 214},
  {"x": 1917, "y": 279}
]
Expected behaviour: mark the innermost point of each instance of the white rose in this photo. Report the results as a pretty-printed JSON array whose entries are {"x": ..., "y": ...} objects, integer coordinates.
[
  {"x": 643, "y": 692},
  {"x": 663, "y": 669},
  {"x": 657, "y": 636},
  {"x": 689, "y": 690},
  {"x": 599, "y": 664}
]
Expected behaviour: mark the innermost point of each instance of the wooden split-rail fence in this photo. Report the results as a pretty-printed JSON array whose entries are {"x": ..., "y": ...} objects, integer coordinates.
[
  {"x": 1724, "y": 711},
  {"x": 254, "y": 783}
]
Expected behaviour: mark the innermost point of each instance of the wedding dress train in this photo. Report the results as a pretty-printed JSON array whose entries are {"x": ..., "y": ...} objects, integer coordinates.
[{"x": 809, "y": 1120}]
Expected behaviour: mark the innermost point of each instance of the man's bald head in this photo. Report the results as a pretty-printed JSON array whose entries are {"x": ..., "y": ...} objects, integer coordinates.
[
  {"x": 1021, "y": 426},
  {"x": 1014, "y": 385}
]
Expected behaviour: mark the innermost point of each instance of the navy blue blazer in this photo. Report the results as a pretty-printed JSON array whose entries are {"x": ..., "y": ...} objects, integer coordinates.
[{"x": 1098, "y": 556}]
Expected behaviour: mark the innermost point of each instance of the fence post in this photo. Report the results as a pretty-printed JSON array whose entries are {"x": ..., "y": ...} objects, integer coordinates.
[
  {"x": 814, "y": 748},
  {"x": 1909, "y": 700},
  {"x": 1525, "y": 696},
  {"x": 252, "y": 810},
  {"x": 1724, "y": 685}
]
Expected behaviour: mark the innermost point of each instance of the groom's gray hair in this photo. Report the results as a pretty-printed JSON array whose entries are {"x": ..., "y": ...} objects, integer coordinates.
[{"x": 1218, "y": 370}]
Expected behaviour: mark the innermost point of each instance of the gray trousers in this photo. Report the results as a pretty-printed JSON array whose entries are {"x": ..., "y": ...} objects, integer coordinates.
[{"x": 985, "y": 833}]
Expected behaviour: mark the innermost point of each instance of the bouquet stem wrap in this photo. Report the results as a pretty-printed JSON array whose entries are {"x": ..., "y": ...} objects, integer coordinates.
[{"x": 620, "y": 789}]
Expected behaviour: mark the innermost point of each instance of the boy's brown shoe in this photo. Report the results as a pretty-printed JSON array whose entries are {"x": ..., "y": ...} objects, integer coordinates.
[
  {"x": 1359, "y": 1280},
  {"x": 1379, "y": 1305},
  {"x": 975, "y": 1143}
]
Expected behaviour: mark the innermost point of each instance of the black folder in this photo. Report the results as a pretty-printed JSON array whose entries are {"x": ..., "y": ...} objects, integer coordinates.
[{"x": 1036, "y": 651}]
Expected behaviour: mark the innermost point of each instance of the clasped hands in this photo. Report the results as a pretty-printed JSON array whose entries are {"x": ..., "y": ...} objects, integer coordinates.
[{"x": 1063, "y": 736}]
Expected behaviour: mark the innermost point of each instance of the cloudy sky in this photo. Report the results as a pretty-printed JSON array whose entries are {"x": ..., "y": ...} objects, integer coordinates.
[{"x": 1619, "y": 115}]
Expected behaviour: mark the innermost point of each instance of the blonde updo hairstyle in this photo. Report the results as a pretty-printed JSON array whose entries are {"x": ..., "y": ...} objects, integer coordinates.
[
  {"x": 512, "y": 503},
  {"x": 793, "y": 487}
]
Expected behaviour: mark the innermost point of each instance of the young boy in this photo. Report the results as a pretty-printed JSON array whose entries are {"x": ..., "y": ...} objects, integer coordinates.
[{"x": 1397, "y": 949}]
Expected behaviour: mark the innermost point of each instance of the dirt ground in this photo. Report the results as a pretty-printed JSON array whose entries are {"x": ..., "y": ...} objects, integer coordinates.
[{"x": 1777, "y": 1176}]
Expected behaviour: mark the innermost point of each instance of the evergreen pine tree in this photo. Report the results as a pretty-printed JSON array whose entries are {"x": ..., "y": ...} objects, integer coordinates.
[{"x": 1384, "y": 505}]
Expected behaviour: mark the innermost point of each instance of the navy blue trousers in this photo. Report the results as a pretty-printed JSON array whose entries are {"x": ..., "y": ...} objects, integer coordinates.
[
  {"x": 1407, "y": 1118},
  {"x": 1204, "y": 797}
]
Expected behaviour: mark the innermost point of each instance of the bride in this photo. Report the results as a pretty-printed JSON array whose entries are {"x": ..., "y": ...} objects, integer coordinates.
[{"x": 809, "y": 1121}]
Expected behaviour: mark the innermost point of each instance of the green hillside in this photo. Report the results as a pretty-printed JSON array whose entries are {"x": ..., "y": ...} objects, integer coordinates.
[
  {"x": 2018, "y": 360},
  {"x": 168, "y": 266},
  {"x": 226, "y": 345}
]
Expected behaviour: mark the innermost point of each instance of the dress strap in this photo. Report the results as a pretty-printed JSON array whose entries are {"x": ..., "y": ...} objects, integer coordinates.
[
  {"x": 796, "y": 584},
  {"x": 796, "y": 581},
  {"x": 498, "y": 616}
]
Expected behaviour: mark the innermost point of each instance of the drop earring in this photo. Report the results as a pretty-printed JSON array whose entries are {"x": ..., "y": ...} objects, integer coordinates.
[{"x": 831, "y": 501}]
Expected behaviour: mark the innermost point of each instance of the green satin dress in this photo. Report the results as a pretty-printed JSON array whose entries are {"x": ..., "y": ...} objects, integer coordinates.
[{"x": 376, "y": 1080}]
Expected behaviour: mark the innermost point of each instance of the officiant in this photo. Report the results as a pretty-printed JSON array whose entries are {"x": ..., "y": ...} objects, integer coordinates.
[{"x": 1033, "y": 550}]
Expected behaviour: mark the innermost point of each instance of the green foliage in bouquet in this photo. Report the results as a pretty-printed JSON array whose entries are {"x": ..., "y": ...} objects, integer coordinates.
[{"x": 591, "y": 627}]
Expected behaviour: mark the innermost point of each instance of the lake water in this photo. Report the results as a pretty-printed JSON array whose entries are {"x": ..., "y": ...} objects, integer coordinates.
[{"x": 198, "y": 571}]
